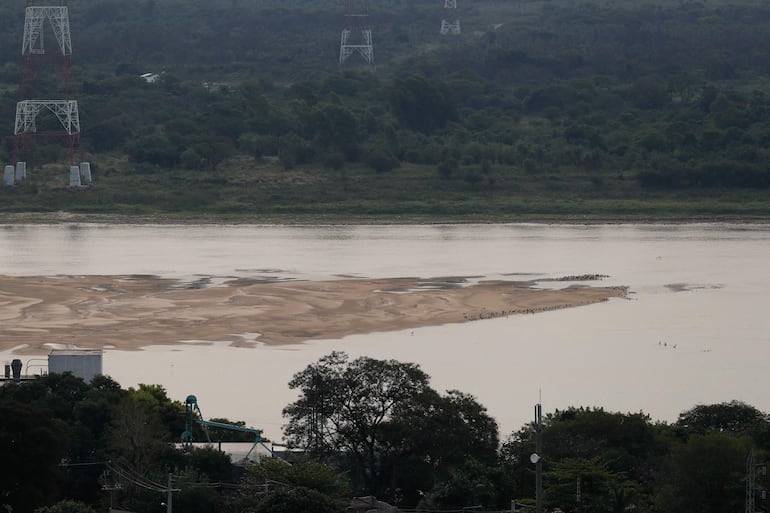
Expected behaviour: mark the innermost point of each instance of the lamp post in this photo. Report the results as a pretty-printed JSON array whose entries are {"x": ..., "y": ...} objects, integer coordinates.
[{"x": 537, "y": 459}]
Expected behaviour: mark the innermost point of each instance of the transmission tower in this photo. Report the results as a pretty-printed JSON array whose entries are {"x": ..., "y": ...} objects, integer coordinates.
[
  {"x": 752, "y": 488},
  {"x": 356, "y": 33},
  {"x": 451, "y": 23},
  {"x": 58, "y": 101}
]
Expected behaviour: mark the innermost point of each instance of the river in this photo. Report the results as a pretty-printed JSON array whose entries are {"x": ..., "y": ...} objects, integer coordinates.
[{"x": 694, "y": 329}]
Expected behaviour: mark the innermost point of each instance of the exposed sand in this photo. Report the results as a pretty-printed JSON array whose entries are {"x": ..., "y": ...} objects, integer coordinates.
[{"x": 128, "y": 312}]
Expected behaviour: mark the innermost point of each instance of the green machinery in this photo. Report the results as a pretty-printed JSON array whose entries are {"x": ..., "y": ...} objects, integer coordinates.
[{"x": 194, "y": 416}]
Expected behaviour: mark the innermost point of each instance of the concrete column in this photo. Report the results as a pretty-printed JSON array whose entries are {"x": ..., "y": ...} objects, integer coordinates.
[
  {"x": 8, "y": 175},
  {"x": 21, "y": 171},
  {"x": 85, "y": 172},
  {"x": 75, "y": 176}
]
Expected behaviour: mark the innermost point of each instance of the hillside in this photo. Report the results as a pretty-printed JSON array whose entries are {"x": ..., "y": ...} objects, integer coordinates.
[{"x": 540, "y": 109}]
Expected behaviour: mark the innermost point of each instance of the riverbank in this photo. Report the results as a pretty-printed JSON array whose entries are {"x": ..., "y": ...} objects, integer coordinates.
[
  {"x": 130, "y": 312},
  {"x": 20, "y": 218}
]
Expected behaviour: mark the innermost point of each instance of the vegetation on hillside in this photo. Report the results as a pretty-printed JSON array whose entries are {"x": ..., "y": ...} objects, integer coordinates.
[
  {"x": 368, "y": 427},
  {"x": 540, "y": 108}
]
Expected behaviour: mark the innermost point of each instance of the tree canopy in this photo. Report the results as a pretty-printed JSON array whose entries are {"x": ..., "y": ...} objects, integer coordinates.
[{"x": 368, "y": 427}]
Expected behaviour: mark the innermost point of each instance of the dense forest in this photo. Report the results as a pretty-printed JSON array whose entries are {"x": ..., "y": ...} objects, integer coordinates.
[
  {"x": 369, "y": 427},
  {"x": 539, "y": 108}
]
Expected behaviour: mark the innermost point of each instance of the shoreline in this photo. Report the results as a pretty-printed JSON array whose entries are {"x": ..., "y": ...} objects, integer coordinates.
[
  {"x": 20, "y": 218},
  {"x": 131, "y": 312}
]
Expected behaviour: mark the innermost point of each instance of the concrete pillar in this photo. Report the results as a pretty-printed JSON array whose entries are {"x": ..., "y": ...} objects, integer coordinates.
[
  {"x": 21, "y": 171},
  {"x": 8, "y": 175},
  {"x": 74, "y": 176},
  {"x": 85, "y": 172}
]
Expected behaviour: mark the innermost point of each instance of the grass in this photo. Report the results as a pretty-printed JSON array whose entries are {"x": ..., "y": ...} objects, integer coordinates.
[{"x": 242, "y": 188}]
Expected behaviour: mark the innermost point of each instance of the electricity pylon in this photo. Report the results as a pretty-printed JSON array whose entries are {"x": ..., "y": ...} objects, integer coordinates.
[
  {"x": 59, "y": 102},
  {"x": 450, "y": 24},
  {"x": 356, "y": 33}
]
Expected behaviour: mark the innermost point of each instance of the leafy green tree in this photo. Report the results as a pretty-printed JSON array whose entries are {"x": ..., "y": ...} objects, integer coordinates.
[
  {"x": 210, "y": 150},
  {"x": 333, "y": 125},
  {"x": 732, "y": 417},
  {"x": 472, "y": 485},
  {"x": 301, "y": 472},
  {"x": 66, "y": 506},
  {"x": 273, "y": 480},
  {"x": 154, "y": 149},
  {"x": 32, "y": 444},
  {"x": 421, "y": 104},
  {"x": 704, "y": 475},
  {"x": 138, "y": 437},
  {"x": 291, "y": 500},
  {"x": 431, "y": 440},
  {"x": 343, "y": 405},
  {"x": 601, "y": 488}
]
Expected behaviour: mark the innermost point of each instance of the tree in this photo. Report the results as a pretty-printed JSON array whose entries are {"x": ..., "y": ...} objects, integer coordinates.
[
  {"x": 733, "y": 417},
  {"x": 601, "y": 488},
  {"x": 432, "y": 440},
  {"x": 333, "y": 125},
  {"x": 704, "y": 475},
  {"x": 292, "y": 500},
  {"x": 343, "y": 405},
  {"x": 302, "y": 472},
  {"x": 32, "y": 445},
  {"x": 137, "y": 435},
  {"x": 614, "y": 449},
  {"x": 66, "y": 506},
  {"x": 274, "y": 483},
  {"x": 471, "y": 485},
  {"x": 421, "y": 104}
]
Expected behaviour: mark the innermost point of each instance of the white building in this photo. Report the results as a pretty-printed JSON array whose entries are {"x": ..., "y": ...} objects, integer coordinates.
[{"x": 83, "y": 363}]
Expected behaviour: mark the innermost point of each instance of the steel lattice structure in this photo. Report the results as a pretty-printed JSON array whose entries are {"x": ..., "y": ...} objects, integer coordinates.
[
  {"x": 451, "y": 27},
  {"x": 66, "y": 111},
  {"x": 356, "y": 19},
  {"x": 34, "y": 21},
  {"x": 37, "y": 18}
]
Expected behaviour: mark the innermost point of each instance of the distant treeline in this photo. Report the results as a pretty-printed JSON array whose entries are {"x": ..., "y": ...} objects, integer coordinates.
[
  {"x": 368, "y": 427},
  {"x": 605, "y": 100}
]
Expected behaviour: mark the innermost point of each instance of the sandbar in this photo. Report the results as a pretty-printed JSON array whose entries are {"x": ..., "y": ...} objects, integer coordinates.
[{"x": 131, "y": 312}]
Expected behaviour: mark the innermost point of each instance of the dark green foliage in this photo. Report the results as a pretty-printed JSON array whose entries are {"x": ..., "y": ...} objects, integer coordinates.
[
  {"x": 733, "y": 417},
  {"x": 661, "y": 105},
  {"x": 421, "y": 104},
  {"x": 66, "y": 506},
  {"x": 32, "y": 444},
  {"x": 378, "y": 426},
  {"x": 705, "y": 475},
  {"x": 297, "y": 499},
  {"x": 343, "y": 406}
]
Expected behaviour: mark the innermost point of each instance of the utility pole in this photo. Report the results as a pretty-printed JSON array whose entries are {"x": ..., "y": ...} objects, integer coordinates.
[
  {"x": 539, "y": 460},
  {"x": 170, "y": 493}
]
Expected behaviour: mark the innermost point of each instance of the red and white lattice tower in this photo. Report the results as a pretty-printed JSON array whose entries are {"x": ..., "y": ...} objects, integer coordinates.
[
  {"x": 357, "y": 33},
  {"x": 451, "y": 23},
  {"x": 59, "y": 98}
]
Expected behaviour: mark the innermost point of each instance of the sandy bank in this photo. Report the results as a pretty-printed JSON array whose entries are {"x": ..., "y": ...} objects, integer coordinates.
[{"x": 131, "y": 312}]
